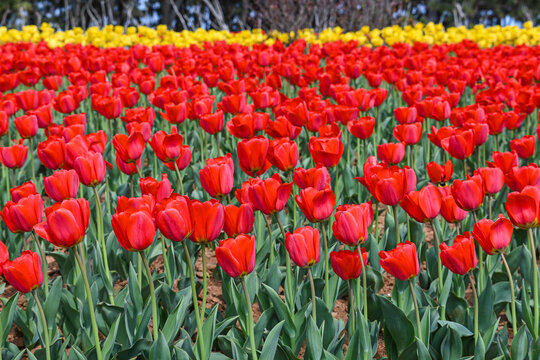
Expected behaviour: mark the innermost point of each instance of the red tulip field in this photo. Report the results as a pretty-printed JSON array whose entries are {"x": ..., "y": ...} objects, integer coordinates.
[{"x": 275, "y": 201}]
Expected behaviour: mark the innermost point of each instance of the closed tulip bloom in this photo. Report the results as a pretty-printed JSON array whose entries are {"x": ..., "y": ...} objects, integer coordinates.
[
  {"x": 409, "y": 134},
  {"x": 145, "y": 202},
  {"x": 91, "y": 168},
  {"x": 129, "y": 148},
  {"x": 317, "y": 205},
  {"x": 460, "y": 258},
  {"x": 388, "y": 184},
  {"x": 13, "y": 156},
  {"x": 238, "y": 220},
  {"x": 160, "y": 190},
  {"x": 212, "y": 123},
  {"x": 25, "y": 272},
  {"x": 469, "y": 194},
  {"x": 27, "y": 126},
  {"x": 352, "y": 223},
  {"x": 439, "y": 174},
  {"x": 128, "y": 168},
  {"x": 4, "y": 255},
  {"x": 283, "y": 154},
  {"x": 22, "y": 191},
  {"x": 326, "y": 151},
  {"x": 504, "y": 161},
  {"x": 167, "y": 147},
  {"x": 401, "y": 262},
  {"x": 460, "y": 146},
  {"x": 253, "y": 155},
  {"x": 236, "y": 256},
  {"x": 523, "y": 207},
  {"x": 304, "y": 246},
  {"x": 362, "y": 128},
  {"x": 52, "y": 152},
  {"x": 492, "y": 179},
  {"x": 217, "y": 177},
  {"x": 493, "y": 236},
  {"x": 524, "y": 147},
  {"x": 65, "y": 102},
  {"x": 173, "y": 218},
  {"x": 423, "y": 205},
  {"x": 346, "y": 263},
  {"x": 66, "y": 223},
  {"x": 317, "y": 177},
  {"x": 450, "y": 211},
  {"x": 208, "y": 220},
  {"x": 23, "y": 215},
  {"x": 391, "y": 153},
  {"x": 134, "y": 229},
  {"x": 282, "y": 127},
  {"x": 62, "y": 185},
  {"x": 519, "y": 177},
  {"x": 270, "y": 195}
]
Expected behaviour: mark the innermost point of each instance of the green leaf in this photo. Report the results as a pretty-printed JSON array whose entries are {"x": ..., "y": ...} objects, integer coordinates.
[
  {"x": 520, "y": 345},
  {"x": 50, "y": 307},
  {"x": 480, "y": 349},
  {"x": 422, "y": 350},
  {"x": 281, "y": 310},
  {"x": 425, "y": 326},
  {"x": 134, "y": 290},
  {"x": 208, "y": 333},
  {"x": 111, "y": 338},
  {"x": 160, "y": 349},
  {"x": 486, "y": 316},
  {"x": 526, "y": 308},
  {"x": 451, "y": 347},
  {"x": 6, "y": 318},
  {"x": 460, "y": 329},
  {"x": 271, "y": 342},
  {"x": 314, "y": 340},
  {"x": 397, "y": 324},
  {"x": 175, "y": 320}
]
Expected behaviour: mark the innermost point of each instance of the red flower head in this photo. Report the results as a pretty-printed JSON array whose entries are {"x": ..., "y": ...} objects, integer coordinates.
[
  {"x": 65, "y": 102},
  {"x": 352, "y": 222},
  {"x": 283, "y": 154},
  {"x": 492, "y": 179},
  {"x": 304, "y": 246},
  {"x": 406, "y": 115},
  {"x": 401, "y": 262},
  {"x": 167, "y": 147},
  {"x": 236, "y": 256},
  {"x": 242, "y": 194},
  {"x": 459, "y": 146},
  {"x": 238, "y": 220},
  {"x": 346, "y": 263},
  {"x": 523, "y": 207},
  {"x": 317, "y": 205},
  {"x": 134, "y": 229},
  {"x": 174, "y": 218},
  {"x": 493, "y": 236},
  {"x": 62, "y": 185},
  {"x": 27, "y": 126},
  {"x": 270, "y": 195},
  {"x": 439, "y": 174},
  {"x": 362, "y": 128},
  {"x": 217, "y": 177},
  {"x": 282, "y": 127},
  {"x": 245, "y": 126},
  {"x": 91, "y": 168},
  {"x": 208, "y": 220},
  {"x": 450, "y": 211},
  {"x": 252, "y": 155},
  {"x": 391, "y": 153},
  {"x": 129, "y": 147},
  {"x": 469, "y": 194},
  {"x": 460, "y": 258},
  {"x": 175, "y": 113},
  {"x": 423, "y": 205},
  {"x": 519, "y": 177},
  {"x": 317, "y": 177},
  {"x": 25, "y": 272},
  {"x": 388, "y": 185},
  {"x": 128, "y": 168},
  {"x": 13, "y": 156},
  {"x": 66, "y": 223},
  {"x": 24, "y": 214},
  {"x": 160, "y": 190},
  {"x": 326, "y": 151},
  {"x": 504, "y": 161},
  {"x": 524, "y": 147},
  {"x": 22, "y": 191},
  {"x": 212, "y": 123},
  {"x": 410, "y": 134}
]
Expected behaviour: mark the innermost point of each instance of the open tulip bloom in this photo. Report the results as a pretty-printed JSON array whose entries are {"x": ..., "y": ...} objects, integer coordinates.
[{"x": 182, "y": 185}]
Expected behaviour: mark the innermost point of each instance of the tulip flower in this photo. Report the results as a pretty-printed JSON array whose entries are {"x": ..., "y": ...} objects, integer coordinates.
[
  {"x": 22, "y": 191},
  {"x": 208, "y": 219},
  {"x": 318, "y": 177},
  {"x": 423, "y": 205},
  {"x": 450, "y": 211},
  {"x": 304, "y": 246},
  {"x": 27, "y": 126},
  {"x": 391, "y": 153},
  {"x": 270, "y": 195},
  {"x": 352, "y": 223},
  {"x": 134, "y": 229},
  {"x": 524, "y": 147},
  {"x": 91, "y": 168},
  {"x": 504, "y": 161},
  {"x": 160, "y": 190},
  {"x": 212, "y": 123},
  {"x": 14, "y": 156},
  {"x": 492, "y": 179},
  {"x": 21, "y": 216},
  {"x": 406, "y": 115},
  {"x": 469, "y": 194},
  {"x": 252, "y": 155},
  {"x": 401, "y": 262},
  {"x": 440, "y": 174},
  {"x": 362, "y": 128},
  {"x": 409, "y": 134},
  {"x": 460, "y": 146},
  {"x": 217, "y": 177},
  {"x": 326, "y": 151},
  {"x": 62, "y": 185},
  {"x": 518, "y": 178},
  {"x": 460, "y": 258},
  {"x": 346, "y": 263},
  {"x": 174, "y": 218},
  {"x": 493, "y": 236},
  {"x": 238, "y": 220},
  {"x": 52, "y": 152},
  {"x": 283, "y": 154},
  {"x": 129, "y": 148},
  {"x": 317, "y": 205},
  {"x": 523, "y": 207},
  {"x": 167, "y": 147}
]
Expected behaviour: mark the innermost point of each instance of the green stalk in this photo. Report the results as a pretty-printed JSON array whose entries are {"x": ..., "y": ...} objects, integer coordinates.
[
  {"x": 464, "y": 162},
  {"x": 326, "y": 267},
  {"x": 195, "y": 302},
  {"x": 288, "y": 267},
  {"x": 179, "y": 177},
  {"x": 44, "y": 264},
  {"x": 32, "y": 162},
  {"x": 376, "y": 221},
  {"x": 396, "y": 224},
  {"x": 439, "y": 269},
  {"x": 535, "y": 285},
  {"x": 90, "y": 303},
  {"x": 416, "y": 310},
  {"x": 271, "y": 239},
  {"x": 168, "y": 274},
  {"x": 155, "y": 318},
  {"x": 313, "y": 297},
  {"x": 475, "y": 295},
  {"x": 45, "y": 329},
  {"x": 364, "y": 283},
  {"x": 101, "y": 240},
  {"x": 205, "y": 282},
  {"x": 251, "y": 326},
  {"x": 351, "y": 308},
  {"x": 139, "y": 270},
  {"x": 514, "y": 318}
]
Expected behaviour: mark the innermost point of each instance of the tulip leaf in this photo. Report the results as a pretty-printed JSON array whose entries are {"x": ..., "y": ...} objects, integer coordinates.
[
  {"x": 480, "y": 349},
  {"x": 6, "y": 317},
  {"x": 520, "y": 345},
  {"x": 50, "y": 306},
  {"x": 134, "y": 290},
  {"x": 397, "y": 324},
  {"x": 262, "y": 323},
  {"x": 108, "y": 344},
  {"x": 314, "y": 341},
  {"x": 175, "y": 320},
  {"x": 422, "y": 350},
  {"x": 425, "y": 324},
  {"x": 460, "y": 329},
  {"x": 271, "y": 342},
  {"x": 451, "y": 346},
  {"x": 281, "y": 310},
  {"x": 526, "y": 308},
  {"x": 160, "y": 349},
  {"x": 208, "y": 331}
]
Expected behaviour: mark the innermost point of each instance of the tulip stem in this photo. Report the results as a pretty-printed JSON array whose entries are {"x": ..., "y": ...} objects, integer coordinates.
[
  {"x": 101, "y": 240},
  {"x": 205, "y": 282},
  {"x": 475, "y": 296},
  {"x": 250, "y": 313},
  {"x": 396, "y": 224},
  {"x": 271, "y": 239},
  {"x": 351, "y": 309},
  {"x": 464, "y": 161},
  {"x": 364, "y": 282},
  {"x": 155, "y": 318},
  {"x": 32, "y": 161},
  {"x": 377, "y": 221},
  {"x": 195, "y": 301},
  {"x": 439, "y": 268},
  {"x": 45, "y": 328},
  {"x": 290, "y": 302},
  {"x": 326, "y": 266},
  {"x": 511, "y": 281},
  {"x": 168, "y": 274},
  {"x": 314, "y": 298},
  {"x": 90, "y": 302},
  {"x": 179, "y": 176},
  {"x": 44, "y": 264},
  {"x": 535, "y": 284},
  {"x": 416, "y": 310},
  {"x": 490, "y": 206}
]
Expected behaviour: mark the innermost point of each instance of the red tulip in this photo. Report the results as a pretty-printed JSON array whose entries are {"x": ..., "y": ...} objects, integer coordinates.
[
  {"x": 43, "y": 115},
  {"x": 406, "y": 115},
  {"x": 504, "y": 161},
  {"x": 175, "y": 113},
  {"x": 129, "y": 147},
  {"x": 450, "y": 211},
  {"x": 24, "y": 214},
  {"x": 13, "y": 156},
  {"x": 212, "y": 123},
  {"x": 28, "y": 99},
  {"x": 326, "y": 151},
  {"x": 22, "y": 191},
  {"x": 388, "y": 185},
  {"x": 128, "y": 168},
  {"x": 238, "y": 220},
  {"x": 4, "y": 255},
  {"x": 236, "y": 256},
  {"x": 270, "y": 195},
  {"x": 109, "y": 107},
  {"x": 317, "y": 177},
  {"x": 167, "y": 147},
  {"x": 245, "y": 126},
  {"x": 217, "y": 177},
  {"x": 401, "y": 262},
  {"x": 493, "y": 236},
  {"x": 91, "y": 168},
  {"x": 283, "y": 154},
  {"x": 460, "y": 258},
  {"x": 304, "y": 246},
  {"x": 65, "y": 102},
  {"x": 346, "y": 263},
  {"x": 24, "y": 273},
  {"x": 282, "y": 127},
  {"x": 523, "y": 207},
  {"x": 459, "y": 146},
  {"x": 352, "y": 223},
  {"x": 492, "y": 179},
  {"x": 523, "y": 147},
  {"x": 423, "y": 205},
  {"x": 519, "y": 177},
  {"x": 469, "y": 194},
  {"x": 66, "y": 223},
  {"x": 159, "y": 190},
  {"x": 439, "y": 174},
  {"x": 242, "y": 194},
  {"x": 391, "y": 153},
  {"x": 174, "y": 219},
  {"x": 52, "y": 152},
  {"x": 409, "y": 134},
  {"x": 362, "y": 128},
  {"x": 252, "y": 155},
  {"x": 62, "y": 185},
  {"x": 317, "y": 205},
  {"x": 208, "y": 220},
  {"x": 134, "y": 229}
]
